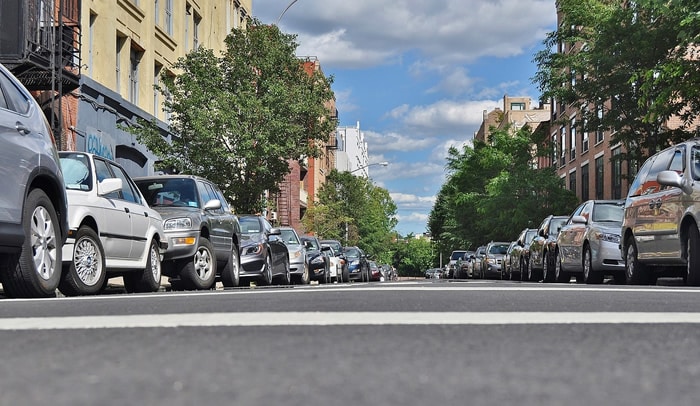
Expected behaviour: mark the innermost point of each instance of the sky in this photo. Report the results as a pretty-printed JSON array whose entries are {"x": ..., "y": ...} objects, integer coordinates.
[{"x": 417, "y": 75}]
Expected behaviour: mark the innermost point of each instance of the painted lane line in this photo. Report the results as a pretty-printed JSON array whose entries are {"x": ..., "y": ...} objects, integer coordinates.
[{"x": 268, "y": 319}]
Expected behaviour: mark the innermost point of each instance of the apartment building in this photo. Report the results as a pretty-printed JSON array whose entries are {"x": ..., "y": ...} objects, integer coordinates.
[
  {"x": 352, "y": 154},
  {"x": 515, "y": 114},
  {"x": 126, "y": 45}
]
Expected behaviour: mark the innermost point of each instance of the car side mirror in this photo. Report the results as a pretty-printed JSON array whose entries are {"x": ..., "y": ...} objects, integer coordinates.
[
  {"x": 213, "y": 204},
  {"x": 325, "y": 248},
  {"x": 578, "y": 220},
  {"x": 673, "y": 178},
  {"x": 274, "y": 231},
  {"x": 109, "y": 185}
]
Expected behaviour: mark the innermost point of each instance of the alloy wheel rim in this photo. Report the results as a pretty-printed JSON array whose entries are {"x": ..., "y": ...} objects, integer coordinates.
[
  {"x": 155, "y": 263},
  {"x": 43, "y": 242},
  {"x": 203, "y": 263},
  {"x": 587, "y": 264},
  {"x": 629, "y": 268},
  {"x": 87, "y": 261}
]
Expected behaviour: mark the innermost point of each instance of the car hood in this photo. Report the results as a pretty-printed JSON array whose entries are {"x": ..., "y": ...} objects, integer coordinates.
[
  {"x": 250, "y": 239},
  {"x": 609, "y": 227}
]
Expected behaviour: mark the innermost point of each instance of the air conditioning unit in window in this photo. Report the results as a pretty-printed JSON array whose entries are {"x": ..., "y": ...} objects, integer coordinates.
[{"x": 273, "y": 215}]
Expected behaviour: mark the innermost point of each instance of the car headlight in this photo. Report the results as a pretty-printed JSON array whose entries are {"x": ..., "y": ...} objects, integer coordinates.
[
  {"x": 355, "y": 263},
  {"x": 182, "y": 223},
  {"x": 609, "y": 237},
  {"x": 253, "y": 249},
  {"x": 296, "y": 254},
  {"x": 317, "y": 260}
]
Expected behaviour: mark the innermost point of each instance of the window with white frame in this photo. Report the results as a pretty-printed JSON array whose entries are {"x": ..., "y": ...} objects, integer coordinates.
[
  {"x": 169, "y": 17},
  {"x": 134, "y": 61},
  {"x": 599, "y": 131},
  {"x": 572, "y": 137}
]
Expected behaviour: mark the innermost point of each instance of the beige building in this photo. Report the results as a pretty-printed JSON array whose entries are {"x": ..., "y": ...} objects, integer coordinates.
[
  {"x": 126, "y": 45},
  {"x": 516, "y": 113}
]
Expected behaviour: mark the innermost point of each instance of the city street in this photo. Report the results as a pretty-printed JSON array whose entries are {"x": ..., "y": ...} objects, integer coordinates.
[{"x": 411, "y": 343}]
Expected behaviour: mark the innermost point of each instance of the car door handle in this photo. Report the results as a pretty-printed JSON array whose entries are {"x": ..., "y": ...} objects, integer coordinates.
[
  {"x": 126, "y": 209},
  {"x": 145, "y": 214},
  {"x": 655, "y": 204},
  {"x": 22, "y": 129}
]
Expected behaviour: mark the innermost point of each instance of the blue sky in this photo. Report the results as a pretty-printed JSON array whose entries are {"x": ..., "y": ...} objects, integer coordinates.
[{"x": 417, "y": 75}]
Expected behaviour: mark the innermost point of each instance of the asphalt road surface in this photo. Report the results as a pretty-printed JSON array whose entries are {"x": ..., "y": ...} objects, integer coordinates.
[{"x": 389, "y": 343}]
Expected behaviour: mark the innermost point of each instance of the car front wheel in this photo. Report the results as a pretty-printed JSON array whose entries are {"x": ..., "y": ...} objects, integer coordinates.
[
  {"x": 147, "y": 280},
  {"x": 199, "y": 272},
  {"x": 693, "y": 256},
  {"x": 36, "y": 270},
  {"x": 636, "y": 273},
  {"x": 87, "y": 272},
  {"x": 230, "y": 275},
  {"x": 590, "y": 276}
]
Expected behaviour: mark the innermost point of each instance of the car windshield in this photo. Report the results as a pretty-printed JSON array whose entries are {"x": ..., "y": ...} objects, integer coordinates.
[
  {"x": 556, "y": 224},
  {"x": 250, "y": 225},
  {"x": 289, "y": 237},
  {"x": 76, "y": 171},
  {"x": 311, "y": 243},
  {"x": 498, "y": 249},
  {"x": 529, "y": 235},
  {"x": 175, "y": 192},
  {"x": 457, "y": 255},
  {"x": 608, "y": 212},
  {"x": 352, "y": 252}
]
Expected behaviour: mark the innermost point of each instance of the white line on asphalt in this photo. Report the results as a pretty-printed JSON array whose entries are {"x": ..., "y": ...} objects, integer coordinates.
[{"x": 268, "y": 319}]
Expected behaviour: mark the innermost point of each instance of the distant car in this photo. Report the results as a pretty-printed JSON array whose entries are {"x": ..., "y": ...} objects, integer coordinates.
[
  {"x": 506, "y": 266},
  {"x": 113, "y": 232},
  {"x": 31, "y": 192},
  {"x": 298, "y": 264},
  {"x": 375, "y": 274},
  {"x": 589, "y": 243},
  {"x": 464, "y": 270},
  {"x": 520, "y": 254},
  {"x": 454, "y": 263},
  {"x": 660, "y": 234},
  {"x": 203, "y": 234},
  {"x": 476, "y": 262},
  {"x": 493, "y": 259},
  {"x": 338, "y": 249},
  {"x": 317, "y": 258},
  {"x": 358, "y": 265},
  {"x": 433, "y": 273},
  {"x": 335, "y": 273},
  {"x": 542, "y": 251},
  {"x": 264, "y": 256}
]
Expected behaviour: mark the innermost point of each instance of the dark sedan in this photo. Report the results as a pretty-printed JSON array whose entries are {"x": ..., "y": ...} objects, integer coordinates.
[
  {"x": 317, "y": 257},
  {"x": 264, "y": 255},
  {"x": 358, "y": 266}
]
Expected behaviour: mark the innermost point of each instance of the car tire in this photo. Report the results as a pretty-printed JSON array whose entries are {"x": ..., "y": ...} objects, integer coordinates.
[
  {"x": 345, "y": 275},
  {"x": 199, "y": 272},
  {"x": 36, "y": 270},
  {"x": 86, "y": 273},
  {"x": 286, "y": 277},
  {"x": 590, "y": 276},
  {"x": 560, "y": 275},
  {"x": 693, "y": 256},
  {"x": 530, "y": 271},
  {"x": 231, "y": 274},
  {"x": 266, "y": 276},
  {"x": 147, "y": 280},
  {"x": 636, "y": 273},
  {"x": 305, "y": 278},
  {"x": 548, "y": 275},
  {"x": 523, "y": 270}
]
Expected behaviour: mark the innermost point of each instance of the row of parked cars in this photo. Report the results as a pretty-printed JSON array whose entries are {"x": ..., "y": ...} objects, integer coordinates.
[
  {"x": 651, "y": 233},
  {"x": 73, "y": 220}
]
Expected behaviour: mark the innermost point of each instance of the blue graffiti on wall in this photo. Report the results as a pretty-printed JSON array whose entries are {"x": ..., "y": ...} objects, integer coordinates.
[{"x": 95, "y": 146}]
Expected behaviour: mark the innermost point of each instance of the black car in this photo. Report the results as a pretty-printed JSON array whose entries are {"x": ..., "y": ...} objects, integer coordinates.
[
  {"x": 317, "y": 257},
  {"x": 339, "y": 252},
  {"x": 264, "y": 256},
  {"x": 358, "y": 265},
  {"x": 203, "y": 234}
]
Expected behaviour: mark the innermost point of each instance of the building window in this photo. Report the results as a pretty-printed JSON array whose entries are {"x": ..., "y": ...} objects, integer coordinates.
[
  {"x": 572, "y": 154},
  {"x": 599, "y": 131},
  {"x": 91, "y": 34},
  {"x": 562, "y": 138},
  {"x": 135, "y": 59},
  {"x": 599, "y": 178},
  {"x": 584, "y": 183},
  {"x": 156, "y": 10},
  {"x": 584, "y": 137},
  {"x": 616, "y": 174},
  {"x": 156, "y": 93},
  {"x": 554, "y": 152},
  {"x": 195, "y": 31},
  {"x": 572, "y": 181},
  {"x": 169, "y": 17},
  {"x": 517, "y": 106},
  {"x": 118, "y": 63}
]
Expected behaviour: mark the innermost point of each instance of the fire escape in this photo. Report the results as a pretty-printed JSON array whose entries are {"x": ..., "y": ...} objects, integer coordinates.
[{"x": 40, "y": 44}]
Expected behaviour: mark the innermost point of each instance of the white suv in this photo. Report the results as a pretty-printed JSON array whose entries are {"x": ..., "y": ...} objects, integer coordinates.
[
  {"x": 660, "y": 235},
  {"x": 113, "y": 231}
]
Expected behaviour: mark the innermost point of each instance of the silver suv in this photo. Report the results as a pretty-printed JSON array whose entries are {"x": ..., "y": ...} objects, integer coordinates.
[
  {"x": 33, "y": 214},
  {"x": 660, "y": 234}
]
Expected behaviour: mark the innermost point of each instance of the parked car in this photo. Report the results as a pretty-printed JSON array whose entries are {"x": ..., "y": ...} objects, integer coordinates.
[
  {"x": 476, "y": 261},
  {"x": 317, "y": 259},
  {"x": 589, "y": 243},
  {"x": 374, "y": 273},
  {"x": 358, "y": 265},
  {"x": 33, "y": 192},
  {"x": 520, "y": 254},
  {"x": 493, "y": 259},
  {"x": 112, "y": 230},
  {"x": 659, "y": 231},
  {"x": 542, "y": 251},
  {"x": 335, "y": 273},
  {"x": 264, "y": 256},
  {"x": 339, "y": 251},
  {"x": 298, "y": 265},
  {"x": 204, "y": 236},
  {"x": 506, "y": 266},
  {"x": 455, "y": 263},
  {"x": 433, "y": 273},
  {"x": 465, "y": 268}
]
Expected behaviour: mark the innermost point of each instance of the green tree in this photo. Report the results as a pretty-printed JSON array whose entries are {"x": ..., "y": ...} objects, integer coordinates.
[
  {"x": 238, "y": 118},
  {"x": 625, "y": 63},
  {"x": 493, "y": 191},
  {"x": 363, "y": 214},
  {"x": 413, "y": 256}
]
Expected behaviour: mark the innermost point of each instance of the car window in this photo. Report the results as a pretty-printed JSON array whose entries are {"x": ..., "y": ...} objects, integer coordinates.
[
  {"x": 102, "y": 172},
  {"x": 678, "y": 161},
  {"x": 76, "y": 172},
  {"x": 555, "y": 225},
  {"x": 127, "y": 193},
  {"x": 289, "y": 237},
  {"x": 695, "y": 161},
  {"x": 209, "y": 194},
  {"x": 219, "y": 195},
  {"x": 250, "y": 225},
  {"x": 11, "y": 98},
  {"x": 661, "y": 163},
  {"x": 608, "y": 212},
  {"x": 636, "y": 186}
]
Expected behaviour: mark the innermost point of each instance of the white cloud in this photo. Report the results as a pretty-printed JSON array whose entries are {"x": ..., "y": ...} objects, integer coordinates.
[
  {"x": 413, "y": 217},
  {"x": 452, "y": 117}
]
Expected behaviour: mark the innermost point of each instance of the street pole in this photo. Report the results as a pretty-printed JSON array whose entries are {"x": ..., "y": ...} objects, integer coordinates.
[{"x": 285, "y": 10}]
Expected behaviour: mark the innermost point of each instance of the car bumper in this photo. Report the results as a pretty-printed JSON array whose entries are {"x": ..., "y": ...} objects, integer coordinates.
[
  {"x": 296, "y": 268},
  {"x": 252, "y": 265},
  {"x": 355, "y": 274},
  {"x": 180, "y": 244},
  {"x": 607, "y": 257},
  {"x": 492, "y": 270}
]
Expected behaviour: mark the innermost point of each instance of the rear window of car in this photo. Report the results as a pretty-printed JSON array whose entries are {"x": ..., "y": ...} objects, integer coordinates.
[
  {"x": 289, "y": 237},
  {"x": 249, "y": 225}
]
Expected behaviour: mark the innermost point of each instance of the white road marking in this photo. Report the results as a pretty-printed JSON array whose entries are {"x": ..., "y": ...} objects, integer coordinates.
[{"x": 342, "y": 319}]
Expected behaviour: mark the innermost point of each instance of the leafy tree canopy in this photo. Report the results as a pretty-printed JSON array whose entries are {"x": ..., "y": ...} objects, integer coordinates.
[{"x": 237, "y": 118}]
